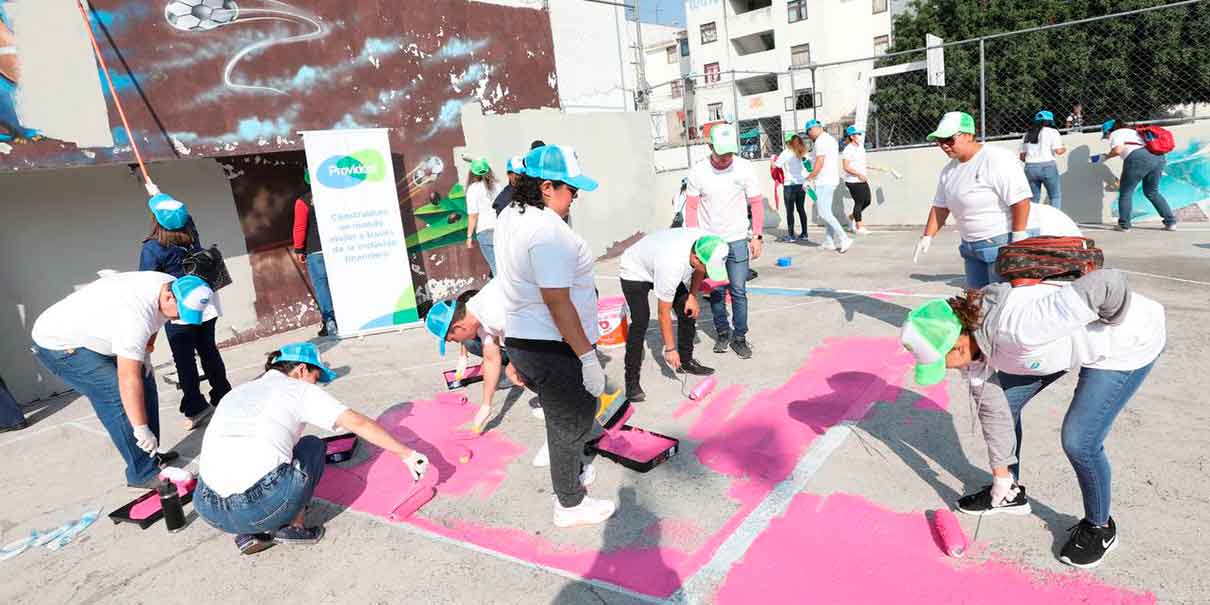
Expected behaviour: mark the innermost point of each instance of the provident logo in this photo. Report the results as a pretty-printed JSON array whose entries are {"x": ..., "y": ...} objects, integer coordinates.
[{"x": 344, "y": 171}]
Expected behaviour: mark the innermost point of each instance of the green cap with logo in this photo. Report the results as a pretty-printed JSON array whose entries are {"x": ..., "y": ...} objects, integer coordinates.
[
  {"x": 930, "y": 332},
  {"x": 952, "y": 123},
  {"x": 723, "y": 139},
  {"x": 713, "y": 251},
  {"x": 480, "y": 167}
]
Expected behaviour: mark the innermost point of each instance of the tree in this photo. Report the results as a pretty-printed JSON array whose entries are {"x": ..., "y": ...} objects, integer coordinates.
[{"x": 1135, "y": 67}]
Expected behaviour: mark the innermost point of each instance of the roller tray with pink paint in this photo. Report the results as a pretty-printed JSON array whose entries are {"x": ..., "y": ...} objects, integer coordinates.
[
  {"x": 145, "y": 510},
  {"x": 472, "y": 375},
  {"x": 340, "y": 448},
  {"x": 635, "y": 448}
]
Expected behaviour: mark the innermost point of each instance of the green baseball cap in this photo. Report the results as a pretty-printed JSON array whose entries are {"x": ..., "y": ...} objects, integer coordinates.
[
  {"x": 723, "y": 139},
  {"x": 929, "y": 333},
  {"x": 952, "y": 123},
  {"x": 480, "y": 167},
  {"x": 713, "y": 251},
  {"x": 790, "y": 134}
]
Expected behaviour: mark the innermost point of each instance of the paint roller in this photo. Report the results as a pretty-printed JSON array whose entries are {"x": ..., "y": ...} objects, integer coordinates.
[
  {"x": 612, "y": 409},
  {"x": 949, "y": 532},
  {"x": 703, "y": 388},
  {"x": 418, "y": 494}
]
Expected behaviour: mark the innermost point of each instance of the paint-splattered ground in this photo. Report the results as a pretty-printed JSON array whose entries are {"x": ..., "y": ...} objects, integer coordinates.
[{"x": 804, "y": 478}]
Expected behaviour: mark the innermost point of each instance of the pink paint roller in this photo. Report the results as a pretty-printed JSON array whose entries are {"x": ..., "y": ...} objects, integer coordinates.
[
  {"x": 462, "y": 452},
  {"x": 703, "y": 388},
  {"x": 419, "y": 494},
  {"x": 949, "y": 532}
]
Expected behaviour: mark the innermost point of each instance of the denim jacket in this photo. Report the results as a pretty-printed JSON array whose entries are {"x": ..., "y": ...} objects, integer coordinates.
[{"x": 167, "y": 259}]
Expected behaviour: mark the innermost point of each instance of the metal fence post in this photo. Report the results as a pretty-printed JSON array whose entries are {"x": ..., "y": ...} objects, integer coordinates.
[
  {"x": 982, "y": 92},
  {"x": 793, "y": 100},
  {"x": 814, "y": 89}
]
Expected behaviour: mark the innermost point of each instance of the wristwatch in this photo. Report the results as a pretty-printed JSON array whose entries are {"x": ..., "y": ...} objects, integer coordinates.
[{"x": 760, "y": 236}]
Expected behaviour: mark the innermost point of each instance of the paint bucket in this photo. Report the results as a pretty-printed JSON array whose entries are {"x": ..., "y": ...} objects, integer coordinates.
[
  {"x": 612, "y": 322},
  {"x": 783, "y": 261}
]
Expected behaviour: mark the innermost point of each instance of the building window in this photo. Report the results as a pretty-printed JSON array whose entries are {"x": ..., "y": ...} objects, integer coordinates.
[
  {"x": 674, "y": 55},
  {"x": 803, "y": 99},
  {"x": 880, "y": 6},
  {"x": 714, "y": 111},
  {"x": 881, "y": 44},
  {"x": 712, "y": 72},
  {"x": 684, "y": 47},
  {"x": 678, "y": 89},
  {"x": 800, "y": 55},
  {"x": 709, "y": 33},
  {"x": 798, "y": 10}
]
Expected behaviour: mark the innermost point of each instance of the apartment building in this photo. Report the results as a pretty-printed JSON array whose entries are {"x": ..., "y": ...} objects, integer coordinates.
[{"x": 665, "y": 63}]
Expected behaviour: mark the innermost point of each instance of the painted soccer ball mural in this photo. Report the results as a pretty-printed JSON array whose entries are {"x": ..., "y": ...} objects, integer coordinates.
[{"x": 200, "y": 15}]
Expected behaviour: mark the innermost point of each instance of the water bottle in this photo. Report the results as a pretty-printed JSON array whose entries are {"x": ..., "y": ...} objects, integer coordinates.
[{"x": 170, "y": 503}]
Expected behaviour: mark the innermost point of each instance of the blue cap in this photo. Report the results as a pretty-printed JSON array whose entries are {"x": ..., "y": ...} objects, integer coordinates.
[
  {"x": 305, "y": 352},
  {"x": 811, "y": 124},
  {"x": 1043, "y": 116},
  {"x": 558, "y": 163},
  {"x": 852, "y": 130},
  {"x": 516, "y": 164},
  {"x": 192, "y": 297},
  {"x": 169, "y": 213},
  {"x": 438, "y": 321},
  {"x": 1107, "y": 126}
]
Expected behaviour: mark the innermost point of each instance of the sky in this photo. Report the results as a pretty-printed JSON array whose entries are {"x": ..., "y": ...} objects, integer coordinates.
[{"x": 666, "y": 12}]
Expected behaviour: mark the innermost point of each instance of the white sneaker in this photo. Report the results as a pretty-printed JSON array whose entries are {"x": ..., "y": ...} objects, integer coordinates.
[
  {"x": 845, "y": 245},
  {"x": 863, "y": 231},
  {"x": 828, "y": 244},
  {"x": 542, "y": 459},
  {"x": 589, "y": 511},
  {"x": 538, "y": 413},
  {"x": 588, "y": 475}
]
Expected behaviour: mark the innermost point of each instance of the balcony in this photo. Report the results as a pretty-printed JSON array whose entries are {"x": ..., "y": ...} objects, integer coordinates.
[{"x": 750, "y": 22}]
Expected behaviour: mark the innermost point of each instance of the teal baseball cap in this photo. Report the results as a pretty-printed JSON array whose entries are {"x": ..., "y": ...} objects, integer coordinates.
[
  {"x": 929, "y": 333},
  {"x": 480, "y": 167},
  {"x": 169, "y": 212},
  {"x": 1044, "y": 116},
  {"x": 852, "y": 130},
  {"x": 558, "y": 163},
  {"x": 953, "y": 123},
  {"x": 305, "y": 352},
  {"x": 193, "y": 295},
  {"x": 1107, "y": 126},
  {"x": 811, "y": 124},
  {"x": 516, "y": 165},
  {"x": 723, "y": 139},
  {"x": 439, "y": 319}
]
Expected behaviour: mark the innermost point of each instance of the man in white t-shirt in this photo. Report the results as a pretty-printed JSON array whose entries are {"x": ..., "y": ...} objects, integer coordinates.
[
  {"x": 722, "y": 190},
  {"x": 99, "y": 340},
  {"x": 986, "y": 191},
  {"x": 825, "y": 177},
  {"x": 673, "y": 262}
]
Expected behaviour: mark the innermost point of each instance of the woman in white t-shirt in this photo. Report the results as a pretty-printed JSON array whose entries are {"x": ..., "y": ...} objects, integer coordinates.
[
  {"x": 790, "y": 161},
  {"x": 256, "y": 475},
  {"x": 1137, "y": 165},
  {"x": 856, "y": 175},
  {"x": 1041, "y": 144},
  {"x": 481, "y": 190}
]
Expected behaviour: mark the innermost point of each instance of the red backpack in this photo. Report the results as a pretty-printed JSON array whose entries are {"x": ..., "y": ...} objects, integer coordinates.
[{"x": 1156, "y": 140}]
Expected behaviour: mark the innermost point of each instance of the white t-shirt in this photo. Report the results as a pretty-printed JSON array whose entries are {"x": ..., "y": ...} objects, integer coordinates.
[
  {"x": 855, "y": 154},
  {"x": 661, "y": 258},
  {"x": 724, "y": 207},
  {"x": 113, "y": 316},
  {"x": 826, "y": 147},
  {"x": 489, "y": 307},
  {"x": 980, "y": 191},
  {"x": 1128, "y": 138},
  {"x": 1049, "y": 140},
  {"x": 791, "y": 165},
  {"x": 541, "y": 251},
  {"x": 1049, "y": 220},
  {"x": 479, "y": 201},
  {"x": 257, "y": 427}
]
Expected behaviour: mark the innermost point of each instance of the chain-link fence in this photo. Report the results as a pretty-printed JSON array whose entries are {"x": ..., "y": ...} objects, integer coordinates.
[{"x": 1146, "y": 65}]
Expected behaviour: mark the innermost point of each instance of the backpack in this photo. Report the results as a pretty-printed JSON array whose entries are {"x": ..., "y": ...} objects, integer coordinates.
[
  {"x": 1033, "y": 260},
  {"x": 209, "y": 265},
  {"x": 1156, "y": 140}
]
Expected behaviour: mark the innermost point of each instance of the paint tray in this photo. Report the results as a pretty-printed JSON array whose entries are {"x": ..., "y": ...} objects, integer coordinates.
[
  {"x": 340, "y": 448},
  {"x": 635, "y": 448},
  {"x": 145, "y": 510},
  {"x": 472, "y": 375}
]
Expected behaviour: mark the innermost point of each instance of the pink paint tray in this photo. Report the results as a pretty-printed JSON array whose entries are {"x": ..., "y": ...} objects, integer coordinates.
[
  {"x": 340, "y": 447},
  {"x": 635, "y": 448},
  {"x": 145, "y": 510},
  {"x": 472, "y": 375}
]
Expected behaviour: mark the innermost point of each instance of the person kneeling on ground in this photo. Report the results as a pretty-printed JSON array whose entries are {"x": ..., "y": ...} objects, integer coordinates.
[
  {"x": 256, "y": 475},
  {"x": 666, "y": 261},
  {"x": 1016, "y": 342}
]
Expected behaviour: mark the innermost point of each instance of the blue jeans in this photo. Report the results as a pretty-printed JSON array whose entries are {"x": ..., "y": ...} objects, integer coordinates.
[
  {"x": 1142, "y": 165},
  {"x": 1100, "y": 395},
  {"x": 95, "y": 376},
  {"x": 487, "y": 246},
  {"x": 823, "y": 205},
  {"x": 737, "y": 274},
  {"x": 185, "y": 341},
  {"x": 10, "y": 413},
  {"x": 1046, "y": 174},
  {"x": 270, "y": 503},
  {"x": 319, "y": 280},
  {"x": 980, "y": 259}
]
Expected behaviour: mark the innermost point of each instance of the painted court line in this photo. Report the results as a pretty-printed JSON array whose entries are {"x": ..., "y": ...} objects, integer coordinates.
[
  {"x": 779, "y": 291},
  {"x": 1168, "y": 277}
]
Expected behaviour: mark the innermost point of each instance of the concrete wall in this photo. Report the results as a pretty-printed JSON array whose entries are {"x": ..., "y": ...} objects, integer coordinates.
[{"x": 61, "y": 227}]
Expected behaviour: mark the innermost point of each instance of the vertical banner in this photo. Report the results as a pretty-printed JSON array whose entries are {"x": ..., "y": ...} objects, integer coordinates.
[{"x": 356, "y": 204}]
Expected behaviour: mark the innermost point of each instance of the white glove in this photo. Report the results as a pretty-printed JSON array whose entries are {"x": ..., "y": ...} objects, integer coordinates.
[
  {"x": 593, "y": 374},
  {"x": 146, "y": 439},
  {"x": 1003, "y": 490},
  {"x": 922, "y": 246},
  {"x": 418, "y": 463},
  {"x": 460, "y": 371},
  {"x": 1017, "y": 236},
  {"x": 152, "y": 190}
]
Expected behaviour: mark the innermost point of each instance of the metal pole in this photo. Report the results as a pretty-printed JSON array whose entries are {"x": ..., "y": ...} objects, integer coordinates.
[
  {"x": 642, "y": 89},
  {"x": 814, "y": 88},
  {"x": 982, "y": 92},
  {"x": 735, "y": 105},
  {"x": 685, "y": 109},
  {"x": 793, "y": 100}
]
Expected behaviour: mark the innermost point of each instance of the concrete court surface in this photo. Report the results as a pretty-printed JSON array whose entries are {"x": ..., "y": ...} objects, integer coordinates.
[{"x": 898, "y": 457}]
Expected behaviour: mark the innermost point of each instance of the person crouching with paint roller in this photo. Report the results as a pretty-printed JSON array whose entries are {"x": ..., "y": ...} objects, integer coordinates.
[
  {"x": 673, "y": 262},
  {"x": 256, "y": 475},
  {"x": 1016, "y": 342}
]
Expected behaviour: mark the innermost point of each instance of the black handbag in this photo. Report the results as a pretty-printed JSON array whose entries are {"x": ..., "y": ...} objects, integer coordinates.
[{"x": 209, "y": 265}]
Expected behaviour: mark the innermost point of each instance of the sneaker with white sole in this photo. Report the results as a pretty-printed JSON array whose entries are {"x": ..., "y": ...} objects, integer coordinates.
[
  {"x": 542, "y": 458},
  {"x": 980, "y": 503},
  {"x": 588, "y": 475},
  {"x": 589, "y": 511},
  {"x": 1089, "y": 544},
  {"x": 863, "y": 231},
  {"x": 538, "y": 413},
  {"x": 845, "y": 245}
]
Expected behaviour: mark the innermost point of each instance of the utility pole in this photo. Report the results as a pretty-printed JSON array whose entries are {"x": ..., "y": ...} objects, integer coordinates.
[{"x": 642, "y": 89}]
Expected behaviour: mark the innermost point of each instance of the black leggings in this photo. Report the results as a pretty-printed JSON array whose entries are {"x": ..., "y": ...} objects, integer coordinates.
[
  {"x": 795, "y": 200},
  {"x": 861, "y": 198}
]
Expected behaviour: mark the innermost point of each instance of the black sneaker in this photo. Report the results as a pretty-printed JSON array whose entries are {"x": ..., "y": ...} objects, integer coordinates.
[
  {"x": 163, "y": 458},
  {"x": 16, "y": 427},
  {"x": 741, "y": 348},
  {"x": 980, "y": 503},
  {"x": 693, "y": 367},
  {"x": 1089, "y": 544},
  {"x": 635, "y": 394},
  {"x": 723, "y": 343},
  {"x": 298, "y": 536},
  {"x": 250, "y": 544}
]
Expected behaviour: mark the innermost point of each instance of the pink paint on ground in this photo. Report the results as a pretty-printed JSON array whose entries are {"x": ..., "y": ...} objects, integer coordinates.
[
  {"x": 635, "y": 444},
  {"x": 686, "y": 406},
  {"x": 715, "y": 412},
  {"x": 936, "y": 398},
  {"x": 844, "y": 549},
  {"x": 433, "y": 428},
  {"x": 338, "y": 446}
]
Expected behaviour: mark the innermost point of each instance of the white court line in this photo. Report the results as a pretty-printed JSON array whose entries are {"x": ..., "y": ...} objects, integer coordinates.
[{"x": 1168, "y": 277}]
